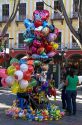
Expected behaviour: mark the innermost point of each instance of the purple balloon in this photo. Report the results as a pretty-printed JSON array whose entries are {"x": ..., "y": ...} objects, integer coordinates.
[{"x": 52, "y": 37}]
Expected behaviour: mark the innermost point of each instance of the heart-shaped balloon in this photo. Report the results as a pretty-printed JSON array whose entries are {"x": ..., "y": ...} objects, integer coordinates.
[{"x": 41, "y": 15}]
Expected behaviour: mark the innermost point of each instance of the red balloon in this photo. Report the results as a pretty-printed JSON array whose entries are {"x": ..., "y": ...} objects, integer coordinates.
[
  {"x": 49, "y": 48},
  {"x": 30, "y": 62},
  {"x": 27, "y": 76},
  {"x": 16, "y": 65},
  {"x": 40, "y": 50},
  {"x": 30, "y": 69},
  {"x": 38, "y": 23},
  {"x": 52, "y": 91}
]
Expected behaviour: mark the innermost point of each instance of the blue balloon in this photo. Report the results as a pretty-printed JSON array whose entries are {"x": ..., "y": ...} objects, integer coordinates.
[
  {"x": 45, "y": 23},
  {"x": 22, "y": 61},
  {"x": 35, "y": 56},
  {"x": 52, "y": 28},
  {"x": 29, "y": 24}
]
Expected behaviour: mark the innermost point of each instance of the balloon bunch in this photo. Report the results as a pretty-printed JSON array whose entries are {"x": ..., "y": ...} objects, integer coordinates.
[{"x": 41, "y": 36}]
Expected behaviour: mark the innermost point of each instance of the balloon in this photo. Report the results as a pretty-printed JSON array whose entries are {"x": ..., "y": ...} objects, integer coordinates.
[
  {"x": 10, "y": 70},
  {"x": 14, "y": 60},
  {"x": 49, "y": 48},
  {"x": 23, "y": 67},
  {"x": 29, "y": 24},
  {"x": 37, "y": 63},
  {"x": 52, "y": 36},
  {"x": 3, "y": 82},
  {"x": 30, "y": 68},
  {"x": 3, "y": 73},
  {"x": 33, "y": 83},
  {"x": 45, "y": 31},
  {"x": 18, "y": 75},
  {"x": 26, "y": 76},
  {"x": 9, "y": 80},
  {"x": 15, "y": 87},
  {"x": 28, "y": 40},
  {"x": 30, "y": 62},
  {"x": 39, "y": 28},
  {"x": 35, "y": 56},
  {"x": 23, "y": 84},
  {"x": 36, "y": 43},
  {"x": 34, "y": 49},
  {"x": 41, "y": 15},
  {"x": 51, "y": 54},
  {"x": 37, "y": 23},
  {"x": 52, "y": 28},
  {"x": 55, "y": 46},
  {"x": 56, "y": 31},
  {"x": 40, "y": 50},
  {"x": 45, "y": 23},
  {"x": 22, "y": 61},
  {"x": 16, "y": 65},
  {"x": 44, "y": 14}
]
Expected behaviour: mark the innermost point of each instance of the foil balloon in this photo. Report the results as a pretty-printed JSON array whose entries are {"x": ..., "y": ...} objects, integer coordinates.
[
  {"x": 37, "y": 23},
  {"x": 27, "y": 76},
  {"x": 36, "y": 43},
  {"x": 34, "y": 49},
  {"x": 51, "y": 54},
  {"x": 52, "y": 36},
  {"x": 45, "y": 31}
]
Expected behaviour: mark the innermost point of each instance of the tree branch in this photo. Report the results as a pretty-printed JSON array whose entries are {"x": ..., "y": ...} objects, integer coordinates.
[
  {"x": 15, "y": 9},
  {"x": 68, "y": 21}
]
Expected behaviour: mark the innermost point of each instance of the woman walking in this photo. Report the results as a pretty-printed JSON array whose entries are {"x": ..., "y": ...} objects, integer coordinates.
[{"x": 71, "y": 92}]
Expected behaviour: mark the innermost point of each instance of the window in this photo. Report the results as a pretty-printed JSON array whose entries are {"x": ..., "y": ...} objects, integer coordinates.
[
  {"x": 21, "y": 40},
  {"x": 57, "y": 5},
  {"x": 39, "y": 5},
  {"x": 22, "y": 11},
  {"x": 75, "y": 5},
  {"x": 5, "y": 12}
]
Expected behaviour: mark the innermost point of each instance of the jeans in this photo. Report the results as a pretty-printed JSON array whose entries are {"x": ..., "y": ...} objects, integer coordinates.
[
  {"x": 64, "y": 100},
  {"x": 71, "y": 101}
]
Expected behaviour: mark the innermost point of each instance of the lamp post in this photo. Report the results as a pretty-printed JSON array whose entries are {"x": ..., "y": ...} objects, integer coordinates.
[{"x": 6, "y": 50}]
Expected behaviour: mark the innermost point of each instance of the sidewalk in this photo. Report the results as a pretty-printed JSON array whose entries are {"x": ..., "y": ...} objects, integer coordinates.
[{"x": 6, "y": 98}]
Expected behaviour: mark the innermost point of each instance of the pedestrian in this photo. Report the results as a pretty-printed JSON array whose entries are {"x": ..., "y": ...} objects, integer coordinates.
[
  {"x": 63, "y": 92},
  {"x": 71, "y": 85}
]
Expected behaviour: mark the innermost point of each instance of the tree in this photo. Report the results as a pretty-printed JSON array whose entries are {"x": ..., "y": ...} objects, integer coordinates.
[
  {"x": 78, "y": 35},
  {"x": 11, "y": 18}
]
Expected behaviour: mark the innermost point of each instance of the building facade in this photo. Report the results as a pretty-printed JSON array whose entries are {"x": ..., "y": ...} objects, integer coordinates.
[{"x": 16, "y": 28}]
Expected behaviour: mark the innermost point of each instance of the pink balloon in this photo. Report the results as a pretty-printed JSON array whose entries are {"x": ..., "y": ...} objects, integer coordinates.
[
  {"x": 36, "y": 43},
  {"x": 34, "y": 49},
  {"x": 4, "y": 84},
  {"x": 56, "y": 31},
  {"x": 3, "y": 73}
]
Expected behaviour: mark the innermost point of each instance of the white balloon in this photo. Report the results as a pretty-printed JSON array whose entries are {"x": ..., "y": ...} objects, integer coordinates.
[
  {"x": 10, "y": 80},
  {"x": 23, "y": 84},
  {"x": 18, "y": 75},
  {"x": 23, "y": 67}
]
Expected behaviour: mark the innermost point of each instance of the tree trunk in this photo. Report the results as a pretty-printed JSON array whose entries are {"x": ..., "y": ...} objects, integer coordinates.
[
  {"x": 15, "y": 9},
  {"x": 80, "y": 20}
]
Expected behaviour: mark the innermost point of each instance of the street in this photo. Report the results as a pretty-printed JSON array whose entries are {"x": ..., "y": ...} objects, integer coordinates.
[{"x": 6, "y": 99}]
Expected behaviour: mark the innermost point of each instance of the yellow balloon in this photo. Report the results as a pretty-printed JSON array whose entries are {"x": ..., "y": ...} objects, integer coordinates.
[
  {"x": 55, "y": 46},
  {"x": 15, "y": 87},
  {"x": 11, "y": 70}
]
